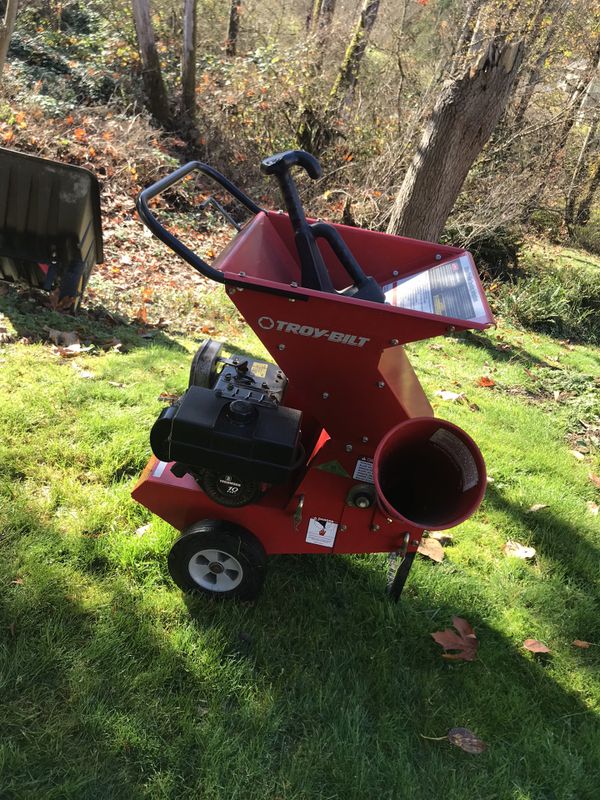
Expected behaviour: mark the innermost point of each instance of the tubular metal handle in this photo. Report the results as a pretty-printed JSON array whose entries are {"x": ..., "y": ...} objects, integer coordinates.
[{"x": 165, "y": 236}]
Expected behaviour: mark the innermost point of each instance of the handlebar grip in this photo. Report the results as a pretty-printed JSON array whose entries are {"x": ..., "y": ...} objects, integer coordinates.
[
  {"x": 148, "y": 218},
  {"x": 280, "y": 163}
]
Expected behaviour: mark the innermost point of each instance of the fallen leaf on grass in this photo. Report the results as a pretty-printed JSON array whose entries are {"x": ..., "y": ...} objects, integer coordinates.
[
  {"x": 592, "y": 507},
  {"x": 72, "y": 350},
  {"x": 534, "y": 646},
  {"x": 141, "y": 315},
  {"x": 466, "y": 740},
  {"x": 580, "y": 643},
  {"x": 430, "y": 548},
  {"x": 453, "y": 397},
  {"x": 463, "y": 640},
  {"x": 594, "y": 479},
  {"x": 536, "y": 507},
  {"x": 517, "y": 550},
  {"x": 142, "y": 530},
  {"x": 485, "y": 381},
  {"x": 579, "y": 456},
  {"x": 83, "y": 373},
  {"x": 62, "y": 338},
  {"x": 167, "y": 397},
  {"x": 58, "y": 303},
  {"x": 442, "y": 537}
]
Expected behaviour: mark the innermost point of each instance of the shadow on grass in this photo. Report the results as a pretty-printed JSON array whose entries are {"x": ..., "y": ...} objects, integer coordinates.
[
  {"x": 556, "y": 539},
  {"x": 512, "y": 352},
  {"x": 30, "y": 315},
  {"x": 321, "y": 689}
]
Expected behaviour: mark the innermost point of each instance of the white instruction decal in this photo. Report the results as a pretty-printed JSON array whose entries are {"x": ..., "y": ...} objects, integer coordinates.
[
  {"x": 160, "y": 468},
  {"x": 449, "y": 290},
  {"x": 321, "y": 531},
  {"x": 363, "y": 471}
]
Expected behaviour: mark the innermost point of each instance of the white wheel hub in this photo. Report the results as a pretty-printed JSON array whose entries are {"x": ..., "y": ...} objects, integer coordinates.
[{"x": 215, "y": 570}]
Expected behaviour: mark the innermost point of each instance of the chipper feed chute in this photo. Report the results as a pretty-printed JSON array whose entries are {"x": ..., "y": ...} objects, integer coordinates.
[
  {"x": 333, "y": 449},
  {"x": 50, "y": 226}
]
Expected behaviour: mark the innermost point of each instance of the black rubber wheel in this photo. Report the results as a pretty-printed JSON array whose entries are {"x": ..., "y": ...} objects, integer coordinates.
[
  {"x": 204, "y": 364},
  {"x": 228, "y": 489},
  {"x": 397, "y": 577},
  {"x": 218, "y": 559}
]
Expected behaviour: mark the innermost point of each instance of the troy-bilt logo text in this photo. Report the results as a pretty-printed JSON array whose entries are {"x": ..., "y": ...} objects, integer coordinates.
[{"x": 267, "y": 324}]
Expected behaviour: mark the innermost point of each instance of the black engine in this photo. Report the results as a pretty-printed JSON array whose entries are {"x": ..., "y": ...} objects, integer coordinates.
[{"x": 232, "y": 434}]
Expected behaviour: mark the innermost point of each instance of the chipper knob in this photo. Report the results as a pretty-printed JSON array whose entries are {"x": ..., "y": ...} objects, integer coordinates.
[{"x": 242, "y": 411}]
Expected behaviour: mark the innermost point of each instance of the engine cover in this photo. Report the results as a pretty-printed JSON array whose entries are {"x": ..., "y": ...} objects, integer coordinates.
[{"x": 238, "y": 426}]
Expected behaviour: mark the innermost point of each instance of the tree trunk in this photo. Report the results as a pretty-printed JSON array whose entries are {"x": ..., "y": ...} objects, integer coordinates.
[
  {"x": 314, "y": 13},
  {"x": 554, "y": 158},
  {"x": 234, "y": 27},
  {"x": 151, "y": 72},
  {"x": 582, "y": 161},
  {"x": 6, "y": 29},
  {"x": 326, "y": 15},
  {"x": 345, "y": 84},
  {"x": 533, "y": 75},
  {"x": 583, "y": 212},
  {"x": 462, "y": 121},
  {"x": 188, "y": 60},
  {"x": 466, "y": 34}
]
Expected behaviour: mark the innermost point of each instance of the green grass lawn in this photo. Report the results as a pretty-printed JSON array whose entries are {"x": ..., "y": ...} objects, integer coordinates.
[{"x": 114, "y": 685}]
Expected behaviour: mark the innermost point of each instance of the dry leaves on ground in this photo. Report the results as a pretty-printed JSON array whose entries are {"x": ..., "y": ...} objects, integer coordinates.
[
  {"x": 485, "y": 381},
  {"x": 443, "y": 537},
  {"x": 5, "y": 336},
  {"x": 62, "y": 338},
  {"x": 581, "y": 643},
  {"x": 83, "y": 373},
  {"x": 517, "y": 550},
  {"x": 592, "y": 507},
  {"x": 466, "y": 740},
  {"x": 430, "y": 548},
  {"x": 463, "y": 738},
  {"x": 72, "y": 350},
  {"x": 462, "y": 640},
  {"x": 453, "y": 397},
  {"x": 167, "y": 397},
  {"x": 535, "y": 647},
  {"x": 537, "y": 507},
  {"x": 594, "y": 479}
]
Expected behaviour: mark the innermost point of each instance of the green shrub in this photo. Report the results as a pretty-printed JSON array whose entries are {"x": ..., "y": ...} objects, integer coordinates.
[
  {"x": 496, "y": 252},
  {"x": 561, "y": 301},
  {"x": 588, "y": 236}
]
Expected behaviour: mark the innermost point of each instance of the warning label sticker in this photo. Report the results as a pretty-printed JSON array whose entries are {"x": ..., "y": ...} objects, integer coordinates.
[
  {"x": 259, "y": 370},
  {"x": 321, "y": 531},
  {"x": 450, "y": 290},
  {"x": 363, "y": 471}
]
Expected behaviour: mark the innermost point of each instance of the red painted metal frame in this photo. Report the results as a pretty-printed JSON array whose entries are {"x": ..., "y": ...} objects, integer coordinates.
[{"x": 347, "y": 372}]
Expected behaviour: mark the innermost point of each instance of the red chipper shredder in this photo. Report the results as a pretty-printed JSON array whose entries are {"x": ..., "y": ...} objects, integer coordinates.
[{"x": 334, "y": 448}]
